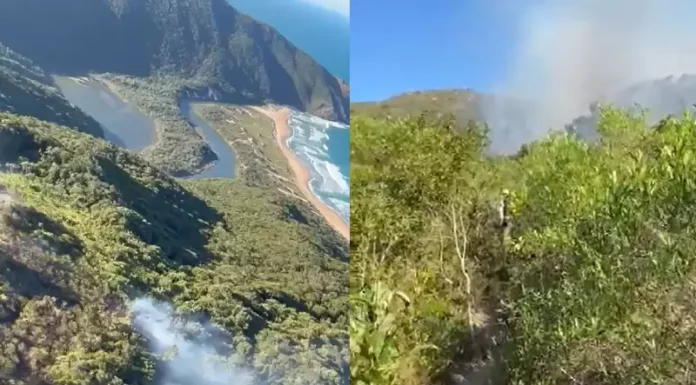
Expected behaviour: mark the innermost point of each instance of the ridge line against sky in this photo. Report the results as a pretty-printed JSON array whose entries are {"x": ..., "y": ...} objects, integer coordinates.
[{"x": 553, "y": 58}]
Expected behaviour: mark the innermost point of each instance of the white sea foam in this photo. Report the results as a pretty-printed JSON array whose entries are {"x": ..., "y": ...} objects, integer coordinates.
[
  {"x": 343, "y": 207},
  {"x": 309, "y": 142}
]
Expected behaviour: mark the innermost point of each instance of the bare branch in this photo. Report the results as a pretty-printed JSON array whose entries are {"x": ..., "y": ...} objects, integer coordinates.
[{"x": 460, "y": 248}]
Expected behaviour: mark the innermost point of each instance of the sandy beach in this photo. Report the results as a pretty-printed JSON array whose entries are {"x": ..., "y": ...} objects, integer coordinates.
[{"x": 302, "y": 176}]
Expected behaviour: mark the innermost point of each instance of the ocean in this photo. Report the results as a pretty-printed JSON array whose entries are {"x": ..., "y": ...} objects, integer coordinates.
[
  {"x": 322, "y": 34},
  {"x": 322, "y": 146}
]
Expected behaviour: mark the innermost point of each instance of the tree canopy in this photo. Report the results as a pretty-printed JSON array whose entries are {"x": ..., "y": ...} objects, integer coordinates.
[{"x": 86, "y": 227}]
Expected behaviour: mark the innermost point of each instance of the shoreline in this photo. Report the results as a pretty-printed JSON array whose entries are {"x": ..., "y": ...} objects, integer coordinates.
[
  {"x": 113, "y": 88},
  {"x": 302, "y": 175}
]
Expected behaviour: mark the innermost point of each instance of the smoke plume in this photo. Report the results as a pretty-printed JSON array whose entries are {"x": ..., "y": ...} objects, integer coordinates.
[
  {"x": 189, "y": 347},
  {"x": 571, "y": 53}
]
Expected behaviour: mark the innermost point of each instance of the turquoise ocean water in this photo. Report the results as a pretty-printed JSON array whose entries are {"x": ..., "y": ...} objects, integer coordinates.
[{"x": 323, "y": 147}]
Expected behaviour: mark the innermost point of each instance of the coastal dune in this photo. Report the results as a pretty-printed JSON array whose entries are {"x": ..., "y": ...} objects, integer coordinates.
[{"x": 302, "y": 176}]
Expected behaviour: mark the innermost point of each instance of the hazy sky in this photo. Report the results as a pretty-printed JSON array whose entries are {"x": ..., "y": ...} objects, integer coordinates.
[
  {"x": 571, "y": 53},
  {"x": 549, "y": 49},
  {"x": 340, "y": 6}
]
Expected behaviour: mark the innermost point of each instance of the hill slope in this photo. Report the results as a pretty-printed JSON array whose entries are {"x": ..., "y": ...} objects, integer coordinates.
[
  {"x": 205, "y": 43},
  {"x": 508, "y": 118},
  {"x": 661, "y": 97},
  {"x": 462, "y": 103},
  {"x": 87, "y": 227},
  {"x": 26, "y": 89}
]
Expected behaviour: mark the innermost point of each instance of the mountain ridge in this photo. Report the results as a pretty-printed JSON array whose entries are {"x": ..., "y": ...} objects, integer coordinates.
[
  {"x": 515, "y": 119},
  {"x": 205, "y": 42}
]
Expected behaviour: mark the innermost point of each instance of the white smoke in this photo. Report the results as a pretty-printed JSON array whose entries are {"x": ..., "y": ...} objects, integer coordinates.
[
  {"x": 571, "y": 53},
  {"x": 192, "y": 358}
]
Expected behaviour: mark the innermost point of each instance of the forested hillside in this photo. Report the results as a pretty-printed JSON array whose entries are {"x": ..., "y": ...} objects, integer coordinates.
[
  {"x": 114, "y": 272},
  {"x": 86, "y": 228},
  {"x": 593, "y": 284}
]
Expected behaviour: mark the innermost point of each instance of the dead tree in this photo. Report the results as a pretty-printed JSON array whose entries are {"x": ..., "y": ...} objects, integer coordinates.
[{"x": 504, "y": 216}]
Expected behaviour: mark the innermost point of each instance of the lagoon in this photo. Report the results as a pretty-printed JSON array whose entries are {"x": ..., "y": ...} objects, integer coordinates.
[
  {"x": 128, "y": 128},
  {"x": 123, "y": 124}
]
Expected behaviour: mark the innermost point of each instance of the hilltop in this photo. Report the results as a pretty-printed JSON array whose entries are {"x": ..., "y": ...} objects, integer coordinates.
[
  {"x": 460, "y": 102},
  {"x": 514, "y": 122}
]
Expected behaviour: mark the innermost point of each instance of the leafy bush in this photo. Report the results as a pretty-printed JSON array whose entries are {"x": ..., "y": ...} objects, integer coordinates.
[{"x": 594, "y": 286}]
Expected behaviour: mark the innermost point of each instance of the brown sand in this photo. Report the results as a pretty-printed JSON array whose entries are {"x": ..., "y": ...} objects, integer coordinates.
[{"x": 302, "y": 177}]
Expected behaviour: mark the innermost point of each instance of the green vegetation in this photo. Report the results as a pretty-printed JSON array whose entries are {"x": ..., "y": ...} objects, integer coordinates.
[
  {"x": 179, "y": 150},
  {"x": 261, "y": 164},
  {"x": 461, "y": 103},
  {"x": 206, "y": 42},
  {"x": 593, "y": 284},
  {"x": 86, "y": 227},
  {"x": 90, "y": 225},
  {"x": 259, "y": 160},
  {"x": 25, "y": 89}
]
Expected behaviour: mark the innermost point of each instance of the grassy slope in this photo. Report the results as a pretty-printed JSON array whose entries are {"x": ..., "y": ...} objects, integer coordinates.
[
  {"x": 92, "y": 224},
  {"x": 596, "y": 278}
]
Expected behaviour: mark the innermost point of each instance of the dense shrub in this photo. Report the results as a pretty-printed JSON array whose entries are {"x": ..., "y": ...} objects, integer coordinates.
[{"x": 594, "y": 284}]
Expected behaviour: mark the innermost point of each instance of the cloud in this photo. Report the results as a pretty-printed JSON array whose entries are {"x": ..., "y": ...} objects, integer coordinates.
[
  {"x": 573, "y": 52},
  {"x": 340, "y": 6}
]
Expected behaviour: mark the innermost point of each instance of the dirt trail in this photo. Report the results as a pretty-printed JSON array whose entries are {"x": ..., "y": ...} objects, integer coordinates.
[
  {"x": 483, "y": 364},
  {"x": 5, "y": 198}
]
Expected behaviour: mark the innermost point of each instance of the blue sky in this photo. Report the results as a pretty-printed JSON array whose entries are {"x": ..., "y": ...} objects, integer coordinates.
[{"x": 406, "y": 45}]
